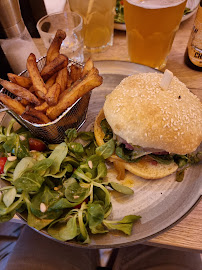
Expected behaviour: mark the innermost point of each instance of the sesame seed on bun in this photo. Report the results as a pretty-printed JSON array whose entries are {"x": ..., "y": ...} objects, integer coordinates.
[{"x": 142, "y": 113}]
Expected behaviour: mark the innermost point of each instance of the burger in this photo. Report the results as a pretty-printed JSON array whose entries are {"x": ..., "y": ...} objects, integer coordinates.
[{"x": 156, "y": 129}]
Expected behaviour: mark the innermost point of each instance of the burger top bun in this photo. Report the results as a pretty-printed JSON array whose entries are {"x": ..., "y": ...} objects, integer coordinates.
[{"x": 142, "y": 113}]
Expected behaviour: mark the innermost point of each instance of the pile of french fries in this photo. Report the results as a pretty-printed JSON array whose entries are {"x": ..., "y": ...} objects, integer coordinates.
[{"x": 44, "y": 95}]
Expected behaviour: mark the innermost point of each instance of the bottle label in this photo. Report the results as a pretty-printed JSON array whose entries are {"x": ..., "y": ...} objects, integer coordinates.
[{"x": 195, "y": 41}]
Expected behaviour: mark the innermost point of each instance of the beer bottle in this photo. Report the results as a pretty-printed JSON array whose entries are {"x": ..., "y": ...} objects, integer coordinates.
[{"x": 193, "y": 54}]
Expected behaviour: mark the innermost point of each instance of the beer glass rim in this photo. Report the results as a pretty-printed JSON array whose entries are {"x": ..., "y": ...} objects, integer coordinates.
[{"x": 168, "y": 4}]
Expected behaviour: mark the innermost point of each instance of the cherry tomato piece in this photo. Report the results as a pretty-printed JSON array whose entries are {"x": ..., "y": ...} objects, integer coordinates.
[
  {"x": 79, "y": 205},
  {"x": 2, "y": 163},
  {"x": 36, "y": 144}
]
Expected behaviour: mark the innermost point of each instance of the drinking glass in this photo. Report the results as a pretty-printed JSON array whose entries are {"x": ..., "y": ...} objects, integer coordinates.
[
  {"x": 69, "y": 22},
  {"x": 98, "y": 22},
  {"x": 151, "y": 26}
]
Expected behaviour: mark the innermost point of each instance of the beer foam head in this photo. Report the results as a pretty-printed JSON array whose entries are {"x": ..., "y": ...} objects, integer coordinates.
[{"x": 155, "y": 4}]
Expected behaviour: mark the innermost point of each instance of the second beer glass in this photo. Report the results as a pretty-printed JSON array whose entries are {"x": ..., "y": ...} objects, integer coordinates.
[{"x": 151, "y": 26}]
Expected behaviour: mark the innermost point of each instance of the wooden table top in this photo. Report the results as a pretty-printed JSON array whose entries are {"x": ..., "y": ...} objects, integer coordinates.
[{"x": 187, "y": 234}]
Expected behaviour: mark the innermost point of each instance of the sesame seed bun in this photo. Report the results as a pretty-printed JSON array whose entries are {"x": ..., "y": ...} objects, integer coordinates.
[{"x": 142, "y": 113}]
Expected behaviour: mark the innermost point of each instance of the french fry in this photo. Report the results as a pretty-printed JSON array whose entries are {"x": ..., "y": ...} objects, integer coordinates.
[
  {"x": 90, "y": 81},
  {"x": 34, "y": 74},
  {"x": 87, "y": 67},
  {"x": 12, "y": 104},
  {"x": 35, "y": 116},
  {"x": 20, "y": 80},
  {"x": 95, "y": 71},
  {"x": 53, "y": 94},
  {"x": 43, "y": 107},
  {"x": 61, "y": 79},
  {"x": 75, "y": 72},
  {"x": 31, "y": 89},
  {"x": 19, "y": 91},
  {"x": 31, "y": 118},
  {"x": 23, "y": 101},
  {"x": 54, "y": 48},
  {"x": 81, "y": 107},
  {"x": 51, "y": 80},
  {"x": 57, "y": 64},
  {"x": 39, "y": 94}
]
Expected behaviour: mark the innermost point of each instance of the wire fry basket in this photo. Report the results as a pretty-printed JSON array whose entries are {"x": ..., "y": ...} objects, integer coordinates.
[{"x": 53, "y": 132}]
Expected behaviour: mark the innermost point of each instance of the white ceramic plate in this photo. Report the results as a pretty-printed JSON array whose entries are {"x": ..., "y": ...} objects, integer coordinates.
[{"x": 193, "y": 5}]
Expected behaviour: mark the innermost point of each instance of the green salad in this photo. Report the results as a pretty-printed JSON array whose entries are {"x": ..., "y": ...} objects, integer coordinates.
[
  {"x": 187, "y": 10},
  {"x": 59, "y": 187},
  {"x": 119, "y": 16}
]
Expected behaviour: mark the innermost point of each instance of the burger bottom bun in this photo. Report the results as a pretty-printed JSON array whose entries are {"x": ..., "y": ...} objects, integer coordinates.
[
  {"x": 143, "y": 168},
  {"x": 146, "y": 169}
]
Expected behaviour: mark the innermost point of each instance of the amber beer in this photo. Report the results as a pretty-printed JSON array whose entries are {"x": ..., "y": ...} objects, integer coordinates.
[{"x": 151, "y": 26}]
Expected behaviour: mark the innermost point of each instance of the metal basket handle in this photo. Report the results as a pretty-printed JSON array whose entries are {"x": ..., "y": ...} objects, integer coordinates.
[{"x": 3, "y": 110}]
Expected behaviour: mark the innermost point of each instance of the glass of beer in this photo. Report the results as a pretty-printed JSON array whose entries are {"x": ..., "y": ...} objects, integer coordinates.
[
  {"x": 98, "y": 22},
  {"x": 151, "y": 26}
]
